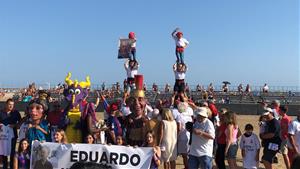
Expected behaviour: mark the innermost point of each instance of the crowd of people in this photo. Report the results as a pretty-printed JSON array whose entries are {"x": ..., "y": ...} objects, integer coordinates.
[
  {"x": 197, "y": 132},
  {"x": 177, "y": 126}
]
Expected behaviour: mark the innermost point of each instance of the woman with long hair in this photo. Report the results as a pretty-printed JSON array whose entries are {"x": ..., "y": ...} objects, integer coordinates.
[
  {"x": 22, "y": 157},
  {"x": 168, "y": 139},
  {"x": 232, "y": 133},
  {"x": 150, "y": 142},
  {"x": 60, "y": 136},
  {"x": 89, "y": 139}
]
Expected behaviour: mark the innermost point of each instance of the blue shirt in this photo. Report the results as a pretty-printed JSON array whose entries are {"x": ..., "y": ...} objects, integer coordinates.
[{"x": 35, "y": 134}]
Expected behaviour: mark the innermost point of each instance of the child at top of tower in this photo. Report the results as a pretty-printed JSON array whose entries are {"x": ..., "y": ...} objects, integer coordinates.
[
  {"x": 181, "y": 44},
  {"x": 132, "y": 54}
]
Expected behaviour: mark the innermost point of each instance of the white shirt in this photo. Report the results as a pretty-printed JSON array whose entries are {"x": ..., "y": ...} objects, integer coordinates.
[
  {"x": 251, "y": 145},
  {"x": 182, "y": 42},
  {"x": 6, "y": 134},
  {"x": 133, "y": 43},
  {"x": 131, "y": 72},
  {"x": 179, "y": 75},
  {"x": 202, "y": 146},
  {"x": 294, "y": 129},
  {"x": 266, "y": 88},
  {"x": 176, "y": 115}
]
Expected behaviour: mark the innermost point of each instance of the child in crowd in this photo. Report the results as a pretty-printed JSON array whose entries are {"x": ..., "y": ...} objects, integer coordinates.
[
  {"x": 181, "y": 43},
  {"x": 250, "y": 147},
  {"x": 89, "y": 139},
  {"x": 120, "y": 141},
  {"x": 132, "y": 54},
  {"x": 22, "y": 157}
]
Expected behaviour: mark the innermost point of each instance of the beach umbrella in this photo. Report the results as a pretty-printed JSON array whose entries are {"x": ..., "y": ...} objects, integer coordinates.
[{"x": 226, "y": 82}]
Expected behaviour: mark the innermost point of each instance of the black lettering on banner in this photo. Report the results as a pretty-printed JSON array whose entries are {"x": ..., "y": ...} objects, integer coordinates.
[
  {"x": 123, "y": 159},
  {"x": 114, "y": 157},
  {"x": 91, "y": 156},
  {"x": 104, "y": 159},
  {"x": 83, "y": 156},
  {"x": 74, "y": 157},
  {"x": 138, "y": 160}
]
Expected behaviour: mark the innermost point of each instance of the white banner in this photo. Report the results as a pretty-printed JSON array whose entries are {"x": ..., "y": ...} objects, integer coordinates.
[{"x": 63, "y": 156}]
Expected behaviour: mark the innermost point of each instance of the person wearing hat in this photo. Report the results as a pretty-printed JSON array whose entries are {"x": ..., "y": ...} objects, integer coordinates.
[
  {"x": 181, "y": 44},
  {"x": 38, "y": 127},
  {"x": 271, "y": 138},
  {"x": 132, "y": 54},
  {"x": 136, "y": 121},
  {"x": 201, "y": 150}
]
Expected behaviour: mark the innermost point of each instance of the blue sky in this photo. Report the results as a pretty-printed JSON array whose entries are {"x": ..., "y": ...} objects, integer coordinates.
[{"x": 241, "y": 41}]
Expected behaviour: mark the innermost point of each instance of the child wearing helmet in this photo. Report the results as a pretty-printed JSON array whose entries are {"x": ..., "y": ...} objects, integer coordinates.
[{"x": 132, "y": 54}]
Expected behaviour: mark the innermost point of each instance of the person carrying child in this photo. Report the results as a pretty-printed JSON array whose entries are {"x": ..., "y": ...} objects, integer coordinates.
[
  {"x": 131, "y": 67},
  {"x": 181, "y": 44}
]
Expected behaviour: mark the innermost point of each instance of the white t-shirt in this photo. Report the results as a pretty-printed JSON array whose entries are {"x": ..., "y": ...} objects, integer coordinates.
[
  {"x": 176, "y": 115},
  {"x": 133, "y": 43},
  {"x": 179, "y": 75},
  {"x": 202, "y": 146},
  {"x": 250, "y": 144},
  {"x": 182, "y": 42},
  {"x": 266, "y": 88},
  {"x": 6, "y": 134},
  {"x": 294, "y": 129},
  {"x": 131, "y": 72}
]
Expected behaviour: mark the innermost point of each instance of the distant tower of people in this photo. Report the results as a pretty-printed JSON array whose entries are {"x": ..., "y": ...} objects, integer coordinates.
[{"x": 181, "y": 44}]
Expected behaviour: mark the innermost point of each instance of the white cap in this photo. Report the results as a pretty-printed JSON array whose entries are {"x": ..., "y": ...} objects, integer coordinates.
[{"x": 267, "y": 111}]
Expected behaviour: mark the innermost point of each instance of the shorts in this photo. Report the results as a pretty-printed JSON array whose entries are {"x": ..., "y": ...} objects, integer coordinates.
[
  {"x": 232, "y": 151},
  {"x": 268, "y": 155},
  {"x": 179, "y": 86},
  {"x": 130, "y": 80},
  {"x": 284, "y": 147}
]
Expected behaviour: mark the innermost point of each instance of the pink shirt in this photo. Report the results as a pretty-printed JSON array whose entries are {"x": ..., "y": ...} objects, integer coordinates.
[{"x": 234, "y": 134}]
